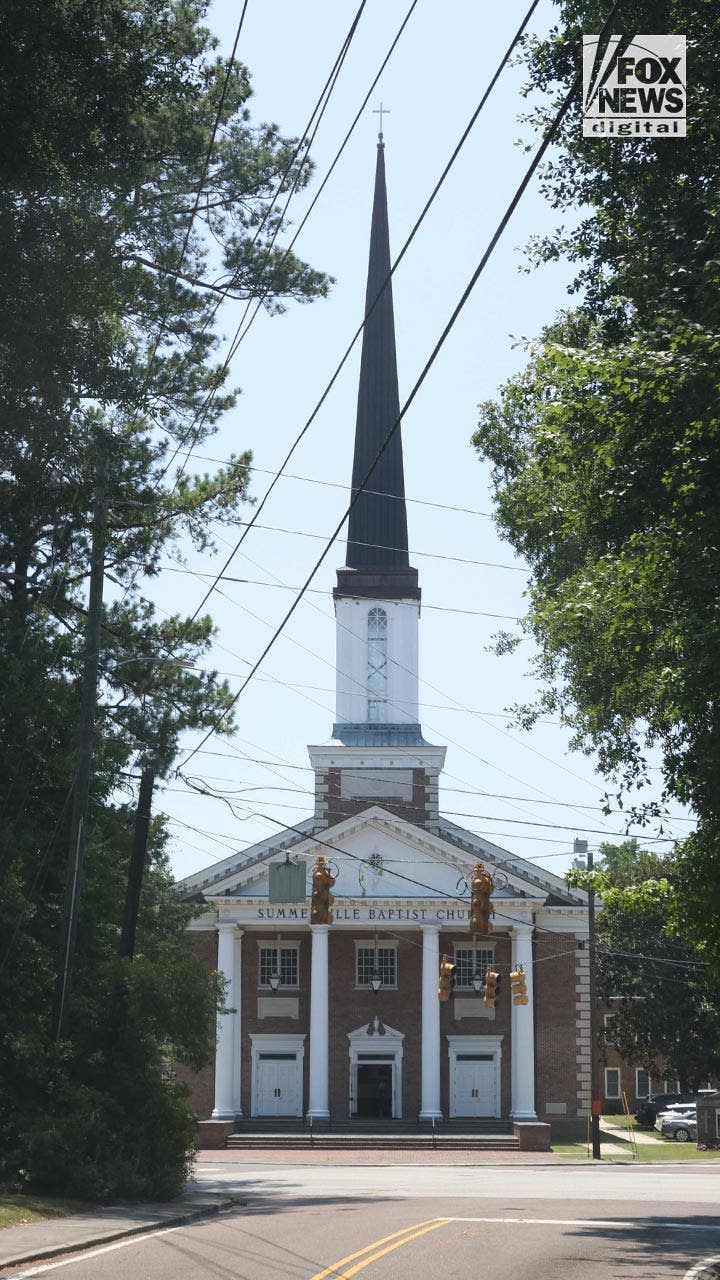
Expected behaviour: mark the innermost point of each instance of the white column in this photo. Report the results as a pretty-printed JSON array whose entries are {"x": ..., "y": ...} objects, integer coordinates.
[
  {"x": 318, "y": 1100},
  {"x": 522, "y": 1028},
  {"x": 430, "y": 1098},
  {"x": 227, "y": 1053},
  {"x": 237, "y": 1022}
]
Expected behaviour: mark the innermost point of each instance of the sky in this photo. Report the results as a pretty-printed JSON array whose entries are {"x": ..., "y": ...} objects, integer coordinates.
[{"x": 524, "y": 790}]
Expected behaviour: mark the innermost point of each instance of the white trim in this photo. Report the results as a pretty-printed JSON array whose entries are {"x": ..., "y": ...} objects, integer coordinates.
[
  {"x": 467, "y": 944},
  {"x": 390, "y": 1043},
  {"x": 272, "y": 945},
  {"x": 612, "y": 1097},
  {"x": 268, "y": 1043},
  {"x": 368, "y": 944},
  {"x": 474, "y": 1044},
  {"x": 648, "y": 1091}
]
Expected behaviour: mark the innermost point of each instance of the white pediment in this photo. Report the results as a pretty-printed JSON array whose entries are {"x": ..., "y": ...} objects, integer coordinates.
[{"x": 377, "y": 854}]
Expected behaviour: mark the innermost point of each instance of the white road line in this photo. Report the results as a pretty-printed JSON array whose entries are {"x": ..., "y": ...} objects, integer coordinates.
[
  {"x": 81, "y": 1255},
  {"x": 618, "y": 1224}
]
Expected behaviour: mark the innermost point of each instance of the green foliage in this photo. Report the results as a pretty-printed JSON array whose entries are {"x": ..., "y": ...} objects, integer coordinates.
[
  {"x": 606, "y": 449},
  {"x": 664, "y": 1010},
  {"x": 111, "y": 270}
]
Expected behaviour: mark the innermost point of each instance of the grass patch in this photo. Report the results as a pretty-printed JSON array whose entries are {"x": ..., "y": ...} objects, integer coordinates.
[
  {"x": 646, "y": 1152},
  {"x": 18, "y": 1211}
]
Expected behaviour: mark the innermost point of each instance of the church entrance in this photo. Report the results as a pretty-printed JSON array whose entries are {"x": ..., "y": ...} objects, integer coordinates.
[{"x": 374, "y": 1090}]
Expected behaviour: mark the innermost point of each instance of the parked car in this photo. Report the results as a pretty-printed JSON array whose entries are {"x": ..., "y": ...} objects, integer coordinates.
[
  {"x": 676, "y": 1111},
  {"x": 681, "y": 1128},
  {"x": 648, "y": 1110}
]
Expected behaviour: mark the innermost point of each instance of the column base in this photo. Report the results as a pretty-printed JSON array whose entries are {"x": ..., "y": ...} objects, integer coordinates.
[
  {"x": 316, "y": 1114},
  {"x": 524, "y": 1117},
  {"x": 431, "y": 1115},
  {"x": 232, "y": 1114}
]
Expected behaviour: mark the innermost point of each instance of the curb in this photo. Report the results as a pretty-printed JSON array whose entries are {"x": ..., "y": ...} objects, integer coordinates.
[{"x": 119, "y": 1233}]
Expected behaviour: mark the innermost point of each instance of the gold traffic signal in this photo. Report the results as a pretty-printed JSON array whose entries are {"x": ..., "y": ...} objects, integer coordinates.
[
  {"x": 518, "y": 986},
  {"x": 447, "y": 978},
  {"x": 322, "y": 899},
  {"x": 481, "y": 908},
  {"x": 492, "y": 988}
]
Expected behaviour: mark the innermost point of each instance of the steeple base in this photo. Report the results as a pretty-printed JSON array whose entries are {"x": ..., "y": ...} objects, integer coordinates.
[
  {"x": 403, "y": 779},
  {"x": 379, "y": 735}
]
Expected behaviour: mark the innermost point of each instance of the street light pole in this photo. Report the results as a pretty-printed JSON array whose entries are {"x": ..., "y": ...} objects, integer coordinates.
[{"x": 594, "y": 1056}]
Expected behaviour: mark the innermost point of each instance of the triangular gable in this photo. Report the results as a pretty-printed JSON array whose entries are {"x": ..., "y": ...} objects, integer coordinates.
[{"x": 377, "y": 854}]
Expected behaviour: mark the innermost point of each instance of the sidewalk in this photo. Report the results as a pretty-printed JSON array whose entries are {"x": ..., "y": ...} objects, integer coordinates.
[
  {"x": 52, "y": 1236},
  {"x": 620, "y": 1130}
]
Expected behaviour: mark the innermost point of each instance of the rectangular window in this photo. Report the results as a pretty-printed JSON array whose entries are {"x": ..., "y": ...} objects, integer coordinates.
[
  {"x": 671, "y": 1086},
  {"x": 471, "y": 961},
  {"x": 365, "y": 965},
  {"x": 642, "y": 1083},
  {"x": 612, "y": 1082},
  {"x": 717, "y": 1122},
  {"x": 607, "y": 1020},
  {"x": 281, "y": 960}
]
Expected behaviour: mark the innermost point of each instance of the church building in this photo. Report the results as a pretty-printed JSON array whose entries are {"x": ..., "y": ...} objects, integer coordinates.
[{"x": 341, "y": 1022}]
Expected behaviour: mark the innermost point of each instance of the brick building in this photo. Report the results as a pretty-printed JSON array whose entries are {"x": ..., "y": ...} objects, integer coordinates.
[{"x": 342, "y": 1021}]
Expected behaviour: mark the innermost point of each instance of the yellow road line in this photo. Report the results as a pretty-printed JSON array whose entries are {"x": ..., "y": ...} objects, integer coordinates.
[{"x": 408, "y": 1233}]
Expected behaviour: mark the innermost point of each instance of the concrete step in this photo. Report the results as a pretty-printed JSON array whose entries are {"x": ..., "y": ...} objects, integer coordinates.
[{"x": 364, "y": 1142}]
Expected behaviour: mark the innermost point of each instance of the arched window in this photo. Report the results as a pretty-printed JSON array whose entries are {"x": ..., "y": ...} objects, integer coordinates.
[{"x": 377, "y": 664}]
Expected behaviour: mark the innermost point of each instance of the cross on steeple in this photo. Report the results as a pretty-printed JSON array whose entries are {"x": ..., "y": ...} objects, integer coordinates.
[{"x": 381, "y": 111}]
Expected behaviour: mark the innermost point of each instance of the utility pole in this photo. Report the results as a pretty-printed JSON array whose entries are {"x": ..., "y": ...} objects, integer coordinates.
[
  {"x": 593, "y": 1028},
  {"x": 136, "y": 869},
  {"x": 86, "y": 733}
]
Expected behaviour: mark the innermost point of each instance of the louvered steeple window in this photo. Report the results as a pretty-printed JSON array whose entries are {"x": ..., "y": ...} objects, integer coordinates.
[{"x": 377, "y": 664}]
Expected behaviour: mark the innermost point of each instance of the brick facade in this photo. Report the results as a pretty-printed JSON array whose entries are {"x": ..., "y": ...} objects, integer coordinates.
[
  {"x": 331, "y": 806},
  {"x": 558, "y": 1035}
]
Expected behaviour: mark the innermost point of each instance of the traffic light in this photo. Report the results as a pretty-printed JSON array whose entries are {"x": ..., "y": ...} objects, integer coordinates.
[
  {"x": 322, "y": 899},
  {"x": 481, "y": 908},
  {"x": 447, "y": 978},
  {"x": 492, "y": 988},
  {"x": 518, "y": 986}
]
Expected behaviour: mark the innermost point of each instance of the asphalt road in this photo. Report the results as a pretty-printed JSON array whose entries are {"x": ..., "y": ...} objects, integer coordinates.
[{"x": 396, "y": 1223}]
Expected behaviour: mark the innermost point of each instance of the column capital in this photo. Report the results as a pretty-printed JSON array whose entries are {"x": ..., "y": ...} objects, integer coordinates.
[
  {"x": 320, "y": 928},
  {"x": 430, "y": 929},
  {"x": 522, "y": 930},
  {"x": 229, "y": 926}
]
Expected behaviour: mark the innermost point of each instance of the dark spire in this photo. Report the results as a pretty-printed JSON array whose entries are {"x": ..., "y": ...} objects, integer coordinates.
[{"x": 377, "y": 561}]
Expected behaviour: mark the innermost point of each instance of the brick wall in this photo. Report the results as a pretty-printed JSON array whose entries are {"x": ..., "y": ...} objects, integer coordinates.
[
  {"x": 562, "y": 1036},
  {"x": 252, "y": 1024},
  {"x": 332, "y": 807},
  {"x": 352, "y": 1007},
  {"x": 559, "y": 1002}
]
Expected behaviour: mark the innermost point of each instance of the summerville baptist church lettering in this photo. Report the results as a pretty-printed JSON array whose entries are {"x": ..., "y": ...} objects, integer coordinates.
[{"x": 340, "y": 1021}]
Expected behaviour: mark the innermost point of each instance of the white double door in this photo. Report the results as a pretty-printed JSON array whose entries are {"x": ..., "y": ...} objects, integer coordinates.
[
  {"x": 278, "y": 1088},
  {"x": 473, "y": 1086}
]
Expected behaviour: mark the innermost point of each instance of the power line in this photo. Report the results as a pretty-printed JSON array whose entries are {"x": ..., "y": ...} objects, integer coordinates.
[
  {"x": 354, "y": 542},
  {"x": 549, "y": 136},
  {"x": 366, "y": 317},
  {"x": 335, "y": 484}
]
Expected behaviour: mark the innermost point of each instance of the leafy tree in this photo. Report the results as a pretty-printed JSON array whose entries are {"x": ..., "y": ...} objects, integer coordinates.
[
  {"x": 605, "y": 449},
  {"x": 125, "y": 217},
  {"x": 664, "y": 1012}
]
